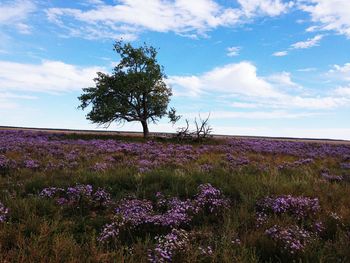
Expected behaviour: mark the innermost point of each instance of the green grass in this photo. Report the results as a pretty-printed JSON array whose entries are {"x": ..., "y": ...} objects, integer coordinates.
[{"x": 38, "y": 230}]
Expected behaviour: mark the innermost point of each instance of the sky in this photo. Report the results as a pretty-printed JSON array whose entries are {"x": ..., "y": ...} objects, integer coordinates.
[{"x": 258, "y": 67}]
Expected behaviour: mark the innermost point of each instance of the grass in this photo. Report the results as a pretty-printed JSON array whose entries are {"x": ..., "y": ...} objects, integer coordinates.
[{"x": 38, "y": 230}]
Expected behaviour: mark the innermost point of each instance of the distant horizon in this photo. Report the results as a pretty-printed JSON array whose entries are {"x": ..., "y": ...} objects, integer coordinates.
[
  {"x": 274, "y": 68},
  {"x": 122, "y": 132}
]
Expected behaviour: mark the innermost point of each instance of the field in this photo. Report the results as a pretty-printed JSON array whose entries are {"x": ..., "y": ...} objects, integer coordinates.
[{"x": 91, "y": 198}]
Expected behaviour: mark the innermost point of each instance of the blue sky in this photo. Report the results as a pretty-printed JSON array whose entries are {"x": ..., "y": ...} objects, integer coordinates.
[{"x": 259, "y": 67}]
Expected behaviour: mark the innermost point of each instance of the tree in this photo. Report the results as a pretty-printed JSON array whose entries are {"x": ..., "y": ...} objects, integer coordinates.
[
  {"x": 203, "y": 130},
  {"x": 135, "y": 91}
]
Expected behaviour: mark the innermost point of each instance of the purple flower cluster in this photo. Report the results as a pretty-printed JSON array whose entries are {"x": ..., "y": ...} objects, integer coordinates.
[
  {"x": 3, "y": 213},
  {"x": 50, "y": 192},
  {"x": 284, "y": 147},
  {"x": 44, "y": 151},
  {"x": 236, "y": 242},
  {"x": 206, "y": 251},
  {"x": 178, "y": 213},
  {"x": 345, "y": 165},
  {"x": 134, "y": 211},
  {"x": 206, "y": 167},
  {"x": 167, "y": 246},
  {"x": 6, "y": 164},
  {"x": 300, "y": 207},
  {"x": 236, "y": 161},
  {"x": 57, "y": 153},
  {"x": 31, "y": 164},
  {"x": 165, "y": 212},
  {"x": 100, "y": 167},
  {"x": 295, "y": 164},
  {"x": 319, "y": 227},
  {"x": 292, "y": 239},
  {"x": 75, "y": 195},
  {"x": 332, "y": 178},
  {"x": 110, "y": 231},
  {"x": 145, "y": 165},
  {"x": 209, "y": 198}
]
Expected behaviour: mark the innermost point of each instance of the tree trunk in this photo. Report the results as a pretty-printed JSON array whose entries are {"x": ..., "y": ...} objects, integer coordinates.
[{"x": 145, "y": 129}]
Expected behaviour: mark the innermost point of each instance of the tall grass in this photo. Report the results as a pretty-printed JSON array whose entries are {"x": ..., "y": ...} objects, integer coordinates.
[{"x": 38, "y": 230}]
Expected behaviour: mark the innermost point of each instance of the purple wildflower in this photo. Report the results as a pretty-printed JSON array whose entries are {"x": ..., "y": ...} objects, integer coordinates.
[
  {"x": 73, "y": 196},
  {"x": 134, "y": 211},
  {"x": 292, "y": 239},
  {"x": 261, "y": 219},
  {"x": 179, "y": 213},
  {"x": 168, "y": 212},
  {"x": 102, "y": 197},
  {"x": 206, "y": 167},
  {"x": 100, "y": 167},
  {"x": 300, "y": 207},
  {"x": 345, "y": 165},
  {"x": 77, "y": 192},
  {"x": 3, "y": 213},
  {"x": 6, "y": 164},
  {"x": 319, "y": 227},
  {"x": 296, "y": 163},
  {"x": 210, "y": 198},
  {"x": 236, "y": 242},
  {"x": 169, "y": 245},
  {"x": 31, "y": 164},
  {"x": 206, "y": 251},
  {"x": 110, "y": 231},
  {"x": 62, "y": 201},
  {"x": 236, "y": 162},
  {"x": 332, "y": 178},
  {"x": 50, "y": 191}
]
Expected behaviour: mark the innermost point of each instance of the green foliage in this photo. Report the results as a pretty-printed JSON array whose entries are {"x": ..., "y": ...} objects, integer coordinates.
[
  {"x": 135, "y": 91},
  {"x": 38, "y": 230},
  {"x": 172, "y": 116}
]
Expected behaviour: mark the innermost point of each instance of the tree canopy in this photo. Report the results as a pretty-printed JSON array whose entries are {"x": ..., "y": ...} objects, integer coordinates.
[{"x": 135, "y": 91}]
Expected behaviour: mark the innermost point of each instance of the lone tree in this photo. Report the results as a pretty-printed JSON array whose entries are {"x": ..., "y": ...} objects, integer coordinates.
[{"x": 135, "y": 91}]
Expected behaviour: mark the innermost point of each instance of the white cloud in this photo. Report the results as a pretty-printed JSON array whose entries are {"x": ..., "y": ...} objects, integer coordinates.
[
  {"x": 280, "y": 54},
  {"x": 306, "y": 69},
  {"x": 341, "y": 69},
  {"x": 241, "y": 81},
  {"x": 233, "y": 51},
  {"x": 95, "y": 2},
  {"x": 311, "y": 42},
  {"x": 343, "y": 91},
  {"x": 15, "y": 13},
  {"x": 329, "y": 15},
  {"x": 49, "y": 76},
  {"x": 264, "y": 115},
  {"x": 8, "y": 100},
  {"x": 342, "y": 72},
  {"x": 7, "y": 105},
  {"x": 129, "y": 17},
  {"x": 324, "y": 103},
  {"x": 9, "y": 95},
  {"x": 245, "y": 105},
  {"x": 312, "y": 29},
  {"x": 186, "y": 18},
  {"x": 265, "y": 7},
  {"x": 186, "y": 85},
  {"x": 283, "y": 79}
]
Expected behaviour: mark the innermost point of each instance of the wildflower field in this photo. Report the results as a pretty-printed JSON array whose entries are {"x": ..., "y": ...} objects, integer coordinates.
[{"x": 89, "y": 198}]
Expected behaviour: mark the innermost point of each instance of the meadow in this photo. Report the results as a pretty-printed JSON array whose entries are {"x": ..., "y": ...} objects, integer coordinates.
[{"x": 90, "y": 198}]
